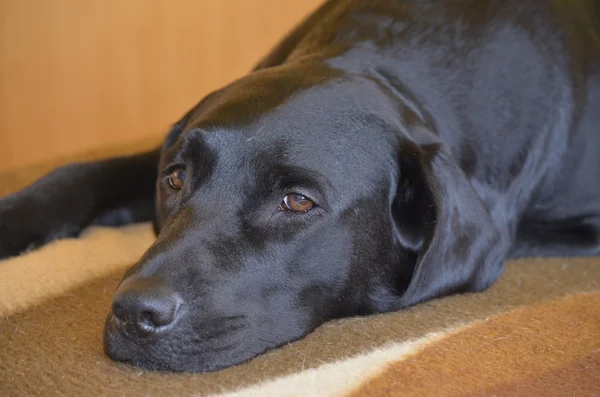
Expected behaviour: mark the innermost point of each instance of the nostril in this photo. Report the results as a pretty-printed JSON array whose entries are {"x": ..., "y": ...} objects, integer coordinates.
[
  {"x": 159, "y": 316},
  {"x": 146, "y": 324},
  {"x": 147, "y": 318}
]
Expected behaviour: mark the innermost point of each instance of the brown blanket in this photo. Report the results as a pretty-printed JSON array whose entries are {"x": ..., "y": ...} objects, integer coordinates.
[{"x": 536, "y": 332}]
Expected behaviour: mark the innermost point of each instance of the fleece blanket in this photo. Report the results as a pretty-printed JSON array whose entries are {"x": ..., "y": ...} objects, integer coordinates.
[{"x": 535, "y": 332}]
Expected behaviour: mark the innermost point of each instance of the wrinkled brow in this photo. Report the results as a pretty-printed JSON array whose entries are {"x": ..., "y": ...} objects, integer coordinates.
[
  {"x": 192, "y": 150},
  {"x": 288, "y": 178}
]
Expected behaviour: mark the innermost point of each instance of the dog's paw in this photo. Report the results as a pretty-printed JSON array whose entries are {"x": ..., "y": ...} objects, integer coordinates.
[
  {"x": 27, "y": 223},
  {"x": 19, "y": 230}
]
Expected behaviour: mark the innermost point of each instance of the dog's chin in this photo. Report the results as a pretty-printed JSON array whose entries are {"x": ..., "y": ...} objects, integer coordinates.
[{"x": 143, "y": 354}]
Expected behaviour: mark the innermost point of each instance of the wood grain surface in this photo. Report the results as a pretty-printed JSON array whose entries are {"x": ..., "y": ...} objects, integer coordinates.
[{"x": 76, "y": 75}]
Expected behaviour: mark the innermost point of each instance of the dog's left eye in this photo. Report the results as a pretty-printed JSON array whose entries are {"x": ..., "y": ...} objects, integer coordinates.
[
  {"x": 177, "y": 178},
  {"x": 296, "y": 203}
]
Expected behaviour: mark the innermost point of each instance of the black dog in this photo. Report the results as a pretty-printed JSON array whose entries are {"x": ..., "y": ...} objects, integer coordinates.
[{"x": 385, "y": 153}]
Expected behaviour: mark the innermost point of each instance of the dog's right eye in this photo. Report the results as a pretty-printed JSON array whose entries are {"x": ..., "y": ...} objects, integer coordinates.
[
  {"x": 296, "y": 203},
  {"x": 177, "y": 178}
]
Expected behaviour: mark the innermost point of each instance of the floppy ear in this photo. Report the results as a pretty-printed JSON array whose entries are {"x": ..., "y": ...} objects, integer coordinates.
[{"x": 438, "y": 215}]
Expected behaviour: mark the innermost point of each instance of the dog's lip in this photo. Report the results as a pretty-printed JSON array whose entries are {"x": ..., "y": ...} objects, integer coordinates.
[
  {"x": 127, "y": 349},
  {"x": 121, "y": 347}
]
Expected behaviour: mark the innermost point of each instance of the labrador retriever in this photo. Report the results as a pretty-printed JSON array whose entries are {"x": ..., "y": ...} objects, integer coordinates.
[{"x": 385, "y": 153}]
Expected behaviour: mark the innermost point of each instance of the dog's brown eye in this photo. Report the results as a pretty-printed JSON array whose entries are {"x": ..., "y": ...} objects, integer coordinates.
[
  {"x": 177, "y": 178},
  {"x": 296, "y": 203}
]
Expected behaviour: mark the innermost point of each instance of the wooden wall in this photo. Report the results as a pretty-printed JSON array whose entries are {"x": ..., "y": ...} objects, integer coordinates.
[{"x": 80, "y": 74}]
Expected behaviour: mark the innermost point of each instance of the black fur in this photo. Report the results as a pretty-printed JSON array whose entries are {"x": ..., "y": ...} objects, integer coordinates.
[{"x": 437, "y": 138}]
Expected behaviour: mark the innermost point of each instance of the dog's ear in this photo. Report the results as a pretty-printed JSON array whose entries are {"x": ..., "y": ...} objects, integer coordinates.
[{"x": 438, "y": 216}]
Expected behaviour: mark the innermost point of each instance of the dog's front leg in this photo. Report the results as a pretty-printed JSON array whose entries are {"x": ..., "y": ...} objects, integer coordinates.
[{"x": 110, "y": 192}]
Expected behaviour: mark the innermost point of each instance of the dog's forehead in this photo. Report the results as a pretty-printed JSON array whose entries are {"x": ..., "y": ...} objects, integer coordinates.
[
  {"x": 335, "y": 126},
  {"x": 250, "y": 98},
  {"x": 313, "y": 125},
  {"x": 335, "y": 150}
]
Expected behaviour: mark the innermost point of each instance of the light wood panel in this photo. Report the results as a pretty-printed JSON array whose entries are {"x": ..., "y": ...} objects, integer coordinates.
[{"x": 78, "y": 74}]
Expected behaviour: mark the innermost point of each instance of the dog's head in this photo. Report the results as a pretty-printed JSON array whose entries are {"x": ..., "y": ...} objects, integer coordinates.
[{"x": 291, "y": 197}]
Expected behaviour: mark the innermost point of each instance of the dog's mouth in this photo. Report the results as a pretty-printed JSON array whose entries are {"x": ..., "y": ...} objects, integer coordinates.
[
  {"x": 122, "y": 348},
  {"x": 120, "y": 345},
  {"x": 174, "y": 352}
]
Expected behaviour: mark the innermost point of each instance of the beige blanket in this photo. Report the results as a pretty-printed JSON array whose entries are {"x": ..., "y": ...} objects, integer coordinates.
[{"x": 536, "y": 332}]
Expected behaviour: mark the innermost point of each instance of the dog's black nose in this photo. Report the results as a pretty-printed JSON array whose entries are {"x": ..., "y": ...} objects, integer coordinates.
[{"x": 143, "y": 307}]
